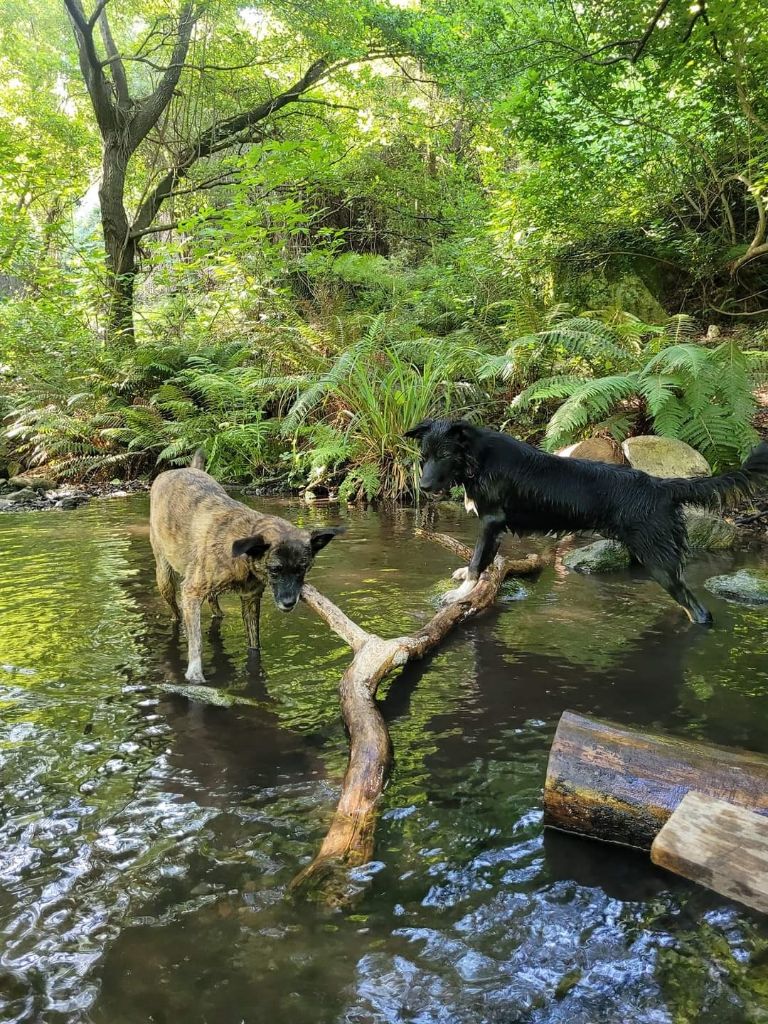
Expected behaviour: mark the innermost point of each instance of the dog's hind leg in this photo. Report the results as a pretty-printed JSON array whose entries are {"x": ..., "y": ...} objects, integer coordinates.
[
  {"x": 191, "y": 601},
  {"x": 662, "y": 551},
  {"x": 216, "y": 609},
  {"x": 166, "y": 584},
  {"x": 251, "y": 606}
]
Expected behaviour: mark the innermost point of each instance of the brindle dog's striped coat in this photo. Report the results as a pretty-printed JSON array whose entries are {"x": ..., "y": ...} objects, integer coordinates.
[{"x": 206, "y": 543}]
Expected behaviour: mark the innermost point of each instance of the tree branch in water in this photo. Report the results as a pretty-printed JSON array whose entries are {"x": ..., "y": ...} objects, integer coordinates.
[{"x": 349, "y": 841}]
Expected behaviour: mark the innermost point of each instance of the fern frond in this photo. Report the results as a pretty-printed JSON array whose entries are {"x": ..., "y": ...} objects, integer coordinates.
[
  {"x": 547, "y": 388},
  {"x": 591, "y": 401}
]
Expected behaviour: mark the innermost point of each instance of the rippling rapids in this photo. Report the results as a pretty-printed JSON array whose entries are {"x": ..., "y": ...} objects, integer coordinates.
[{"x": 147, "y": 841}]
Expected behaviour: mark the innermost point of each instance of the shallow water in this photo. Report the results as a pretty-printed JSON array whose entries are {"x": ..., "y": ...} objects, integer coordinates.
[{"x": 146, "y": 841}]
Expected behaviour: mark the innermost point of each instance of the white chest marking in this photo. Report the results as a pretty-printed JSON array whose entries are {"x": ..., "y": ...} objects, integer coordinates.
[{"x": 469, "y": 504}]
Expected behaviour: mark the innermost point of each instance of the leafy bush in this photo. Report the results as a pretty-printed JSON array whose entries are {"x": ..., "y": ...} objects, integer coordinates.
[
  {"x": 362, "y": 402},
  {"x": 154, "y": 406}
]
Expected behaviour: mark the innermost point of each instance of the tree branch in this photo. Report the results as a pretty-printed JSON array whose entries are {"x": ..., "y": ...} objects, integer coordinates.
[
  {"x": 219, "y": 136},
  {"x": 155, "y": 229},
  {"x": 350, "y": 838},
  {"x": 758, "y": 246},
  {"x": 117, "y": 68},
  {"x": 185, "y": 65},
  {"x": 90, "y": 65},
  {"x": 152, "y": 107},
  {"x": 645, "y": 38}
]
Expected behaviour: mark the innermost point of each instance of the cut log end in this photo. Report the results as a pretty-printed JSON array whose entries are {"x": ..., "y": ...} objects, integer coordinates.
[{"x": 718, "y": 845}]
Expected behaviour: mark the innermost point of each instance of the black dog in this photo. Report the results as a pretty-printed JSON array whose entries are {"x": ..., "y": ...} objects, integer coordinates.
[{"x": 513, "y": 486}]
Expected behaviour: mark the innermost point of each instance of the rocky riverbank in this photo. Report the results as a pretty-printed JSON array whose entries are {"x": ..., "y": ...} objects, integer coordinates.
[{"x": 29, "y": 493}]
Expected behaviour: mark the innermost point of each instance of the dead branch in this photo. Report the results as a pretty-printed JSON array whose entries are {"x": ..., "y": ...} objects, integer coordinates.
[{"x": 349, "y": 841}]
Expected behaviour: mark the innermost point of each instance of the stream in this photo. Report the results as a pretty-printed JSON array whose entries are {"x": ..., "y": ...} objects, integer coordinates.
[{"x": 147, "y": 841}]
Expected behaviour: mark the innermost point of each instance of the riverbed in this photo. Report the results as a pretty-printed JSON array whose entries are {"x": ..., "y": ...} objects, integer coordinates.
[{"x": 147, "y": 841}]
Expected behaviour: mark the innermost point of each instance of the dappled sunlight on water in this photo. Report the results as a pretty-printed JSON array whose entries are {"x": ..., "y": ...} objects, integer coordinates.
[{"x": 147, "y": 841}]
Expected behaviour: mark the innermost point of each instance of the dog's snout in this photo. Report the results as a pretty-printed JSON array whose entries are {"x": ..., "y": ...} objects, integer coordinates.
[
  {"x": 427, "y": 485},
  {"x": 288, "y": 606}
]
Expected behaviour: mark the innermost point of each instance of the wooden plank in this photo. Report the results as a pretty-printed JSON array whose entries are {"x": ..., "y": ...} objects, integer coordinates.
[
  {"x": 716, "y": 844},
  {"x": 618, "y": 784}
]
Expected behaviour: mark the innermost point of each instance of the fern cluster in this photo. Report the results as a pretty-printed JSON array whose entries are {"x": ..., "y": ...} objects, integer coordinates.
[
  {"x": 327, "y": 403},
  {"x": 664, "y": 382}
]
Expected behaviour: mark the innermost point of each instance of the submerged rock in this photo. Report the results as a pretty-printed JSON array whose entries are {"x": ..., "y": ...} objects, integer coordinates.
[
  {"x": 602, "y": 556},
  {"x": 69, "y": 501},
  {"x": 706, "y": 532},
  {"x": 747, "y": 585},
  {"x": 664, "y": 456},
  {"x": 208, "y": 695},
  {"x": 598, "y": 449}
]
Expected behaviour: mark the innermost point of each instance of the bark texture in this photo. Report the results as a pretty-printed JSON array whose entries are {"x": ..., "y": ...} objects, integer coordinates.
[{"x": 621, "y": 785}]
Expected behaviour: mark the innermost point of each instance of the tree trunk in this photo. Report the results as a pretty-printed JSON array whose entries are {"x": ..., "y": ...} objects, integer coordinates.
[
  {"x": 119, "y": 246},
  {"x": 621, "y": 785}
]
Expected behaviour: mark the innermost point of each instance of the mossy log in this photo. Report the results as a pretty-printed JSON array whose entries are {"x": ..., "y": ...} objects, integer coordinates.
[
  {"x": 621, "y": 785},
  {"x": 350, "y": 839}
]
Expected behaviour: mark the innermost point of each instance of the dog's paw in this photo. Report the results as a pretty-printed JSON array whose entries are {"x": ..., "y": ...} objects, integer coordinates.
[
  {"x": 460, "y": 593},
  {"x": 460, "y": 574},
  {"x": 195, "y": 677}
]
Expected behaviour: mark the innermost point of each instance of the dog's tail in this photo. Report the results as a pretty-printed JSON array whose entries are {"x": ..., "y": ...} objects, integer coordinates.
[
  {"x": 739, "y": 483},
  {"x": 198, "y": 460}
]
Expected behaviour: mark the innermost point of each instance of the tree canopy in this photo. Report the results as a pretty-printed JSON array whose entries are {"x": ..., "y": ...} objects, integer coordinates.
[{"x": 246, "y": 187}]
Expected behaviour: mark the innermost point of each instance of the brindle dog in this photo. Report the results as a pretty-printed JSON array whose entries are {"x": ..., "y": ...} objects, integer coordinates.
[{"x": 206, "y": 543}]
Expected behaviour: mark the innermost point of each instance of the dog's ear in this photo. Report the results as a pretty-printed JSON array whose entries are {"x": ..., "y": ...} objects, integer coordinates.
[
  {"x": 253, "y": 547},
  {"x": 419, "y": 430},
  {"x": 320, "y": 538},
  {"x": 461, "y": 431}
]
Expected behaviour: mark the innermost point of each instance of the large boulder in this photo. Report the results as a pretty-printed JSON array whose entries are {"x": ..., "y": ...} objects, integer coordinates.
[
  {"x": 25, "y": 494},
  {"x": 750, "y": 586},
  {"x": 664, "y": 456},
  {"x": 602, "y": 556},
  {"x": 598, "y": 449},
  {"x": 708, "y": 532},
  {"x": 612, "y": 288},
  {"x": 37, "y": 483}
]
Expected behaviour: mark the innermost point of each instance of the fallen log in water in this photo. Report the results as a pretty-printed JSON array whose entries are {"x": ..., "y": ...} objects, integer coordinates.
[
  {"x": 350, "y": 838},
  {"x": 621, "y": 785},
  {"x": 718, "y": 845}
]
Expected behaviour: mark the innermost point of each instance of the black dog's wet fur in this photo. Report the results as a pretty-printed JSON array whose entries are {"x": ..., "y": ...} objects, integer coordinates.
[{"x": 522, "y": 489}]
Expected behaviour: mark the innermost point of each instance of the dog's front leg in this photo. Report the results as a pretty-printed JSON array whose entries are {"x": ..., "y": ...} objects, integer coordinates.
[
  {"x": 491, "y": 529},
  {"x": 191, "y": 601},
  {"x": 251, "y": 605}
]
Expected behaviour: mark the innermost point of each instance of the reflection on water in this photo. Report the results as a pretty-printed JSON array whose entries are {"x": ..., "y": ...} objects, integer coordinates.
[{"x": 146, "y": 841}]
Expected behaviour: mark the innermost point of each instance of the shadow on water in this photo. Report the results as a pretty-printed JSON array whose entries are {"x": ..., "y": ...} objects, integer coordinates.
[{"x": 146, "y": 840}]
